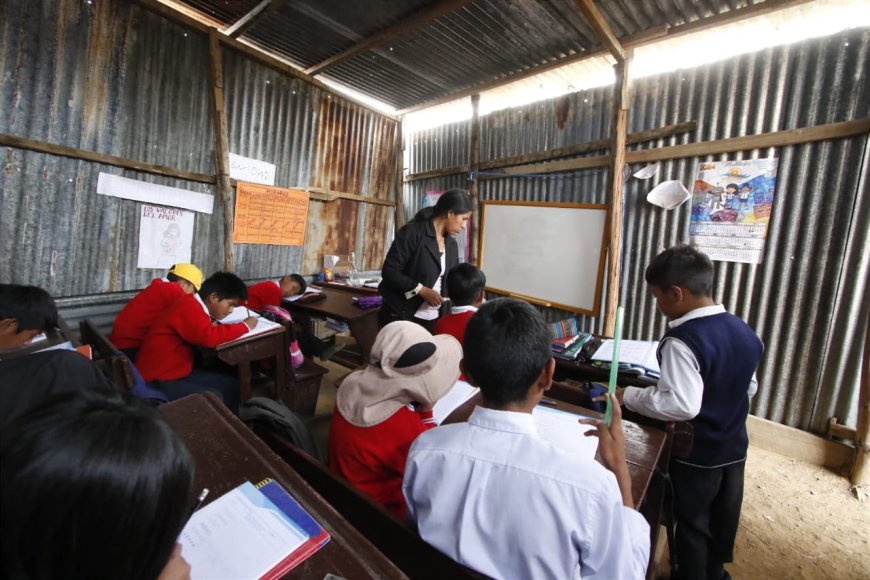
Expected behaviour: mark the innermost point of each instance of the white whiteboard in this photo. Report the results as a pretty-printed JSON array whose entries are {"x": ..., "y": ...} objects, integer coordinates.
[{"x": 552, "y": 254}]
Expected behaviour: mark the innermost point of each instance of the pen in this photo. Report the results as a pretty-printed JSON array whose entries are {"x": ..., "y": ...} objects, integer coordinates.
[
  {"x": 201, "y": 498},
  {"x": 548, "y": 402}
]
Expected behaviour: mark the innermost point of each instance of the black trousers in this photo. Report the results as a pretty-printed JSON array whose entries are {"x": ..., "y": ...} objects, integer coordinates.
[
  {"x": 386, "y": 316},
  {"x": 707, "y": 504}
]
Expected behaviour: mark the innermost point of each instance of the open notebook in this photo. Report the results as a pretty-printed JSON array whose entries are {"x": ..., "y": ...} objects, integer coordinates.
[
  {"x": 250, "y": 532},
  {"x": 560, "y": 428},
  {"x": 240, "y": 313}
]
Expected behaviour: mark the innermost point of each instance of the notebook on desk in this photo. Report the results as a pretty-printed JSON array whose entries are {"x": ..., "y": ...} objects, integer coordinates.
[
  {"x": 250, "y": 532},
  {"x": 637, "y": 355},
  {"x": 241, "y": 313}
]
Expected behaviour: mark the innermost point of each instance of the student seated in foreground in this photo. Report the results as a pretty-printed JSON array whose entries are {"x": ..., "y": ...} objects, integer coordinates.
[
  {"x": 94, "y": 485},
  {"x": 137, "y": 316},
  {"x": 167, "y": 353},
  {"x": 381, "y": 409},
  {"x": 25, "y": 380},
  {"x": 496, "y": 497},
  {"x": 465, "y": 286}
]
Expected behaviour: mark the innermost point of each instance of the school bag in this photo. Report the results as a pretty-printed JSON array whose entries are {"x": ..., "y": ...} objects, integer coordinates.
[
  {"x": 276, "y": 314},
  {"x": 275, "y": 415}
]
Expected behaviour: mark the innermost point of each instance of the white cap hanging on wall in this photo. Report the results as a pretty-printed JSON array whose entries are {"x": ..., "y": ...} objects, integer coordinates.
[
  {"x": 646, "y": 172},
  {"x": 668, "y": 194}
]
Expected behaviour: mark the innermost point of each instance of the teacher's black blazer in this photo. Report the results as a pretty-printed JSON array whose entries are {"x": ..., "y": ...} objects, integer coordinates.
[{"x": 414, "y": 259}]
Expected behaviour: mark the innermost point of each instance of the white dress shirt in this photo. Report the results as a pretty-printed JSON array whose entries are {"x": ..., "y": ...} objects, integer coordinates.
[
  {"x": 680, "y": 388},
  {"x": 496, "y": 497}
]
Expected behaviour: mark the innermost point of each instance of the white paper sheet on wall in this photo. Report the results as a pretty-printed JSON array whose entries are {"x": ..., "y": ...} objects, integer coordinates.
[
  {"x": 117, "y": 186},
  {"x": 165, "y": 237},
  {"x": 251, "y": 170}
]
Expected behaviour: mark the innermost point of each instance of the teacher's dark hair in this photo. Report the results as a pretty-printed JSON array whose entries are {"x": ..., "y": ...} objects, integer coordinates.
[
  {"x": 94, "y": 485},
  {"x": 505, "y": 349},
  {"x": 455, "y": 200}
]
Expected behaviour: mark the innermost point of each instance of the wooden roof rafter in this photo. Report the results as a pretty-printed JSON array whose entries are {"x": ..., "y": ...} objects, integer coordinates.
[
  {"x": 407, "y": 25},
  {"x": 601, "y": 28},
  {"x": 246, "y": 22}
]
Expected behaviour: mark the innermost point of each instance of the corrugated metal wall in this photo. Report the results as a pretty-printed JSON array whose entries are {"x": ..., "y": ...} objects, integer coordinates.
[
  {"x": 114, "y": 78},
  {"x": 808, "y": 300}
]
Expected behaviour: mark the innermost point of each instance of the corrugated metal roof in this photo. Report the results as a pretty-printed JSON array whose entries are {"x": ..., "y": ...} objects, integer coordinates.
[
  {"x": 808, "y": 300},
  {"x": 484, "y": 40}
]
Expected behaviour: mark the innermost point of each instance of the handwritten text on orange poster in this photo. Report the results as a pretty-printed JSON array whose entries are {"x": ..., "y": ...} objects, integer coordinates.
[{"x": 270, "y": 215}]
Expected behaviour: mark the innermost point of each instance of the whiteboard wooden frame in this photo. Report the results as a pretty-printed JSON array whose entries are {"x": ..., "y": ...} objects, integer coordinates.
[{"x": 590, "y": 310}]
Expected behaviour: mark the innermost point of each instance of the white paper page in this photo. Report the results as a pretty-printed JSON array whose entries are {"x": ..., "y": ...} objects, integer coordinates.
[
  {"x": 564, "y": 430},
  {"x": 251, "y": 170},
  {"x": 636, "y": 352},
  {"x": 458, "y": 394},
  {"x": 117, "y": 186},
  {"x": 239, "y": 314},
  {"x": 309, "y": 290},
  {"x": 240, "y": 535}
]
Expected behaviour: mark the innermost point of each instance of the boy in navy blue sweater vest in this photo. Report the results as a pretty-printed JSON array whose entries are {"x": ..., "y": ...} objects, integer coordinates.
[{"x": 708, "y": 359}]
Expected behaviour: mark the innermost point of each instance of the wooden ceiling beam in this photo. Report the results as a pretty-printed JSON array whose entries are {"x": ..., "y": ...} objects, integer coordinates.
[
  {"x": 633, "y": 41},
  {"x": 412, "y": 23},
  {"x": 256, "y": 14},
  {"x": 601, "y": 28}
]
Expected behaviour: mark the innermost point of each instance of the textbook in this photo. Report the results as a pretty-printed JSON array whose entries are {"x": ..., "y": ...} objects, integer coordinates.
[
  {"x": 572, "y": 351},
  {"x": 250, "y": 532},
  {"x": 637, "y": 355}
]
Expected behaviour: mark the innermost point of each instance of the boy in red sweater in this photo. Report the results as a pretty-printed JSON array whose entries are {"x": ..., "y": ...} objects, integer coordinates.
[
  {"x": 166, "y": 355},
  {"x": 381, "y": 409},
  {"x": 271, "y": 292},
  {"x": 465, "y": 284},
  {"x": 134, "y": 320}
]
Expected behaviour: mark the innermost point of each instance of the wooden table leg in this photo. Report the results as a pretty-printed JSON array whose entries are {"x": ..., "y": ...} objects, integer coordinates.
[
  {"x": 282, "y": 354},
  {"x": 364, "y": 331},
  {"x": 245, "y": 389}
]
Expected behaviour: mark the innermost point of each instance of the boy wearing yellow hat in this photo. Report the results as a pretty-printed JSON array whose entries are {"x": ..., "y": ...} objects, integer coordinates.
[{"x": 136, "y": 318}]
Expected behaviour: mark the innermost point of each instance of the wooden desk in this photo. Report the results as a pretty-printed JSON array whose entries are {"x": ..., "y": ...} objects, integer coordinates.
[
  {"x": 338, "y": 304},
  {"x": 227, "y": 454},
  {"x": 242, "y": 352}
]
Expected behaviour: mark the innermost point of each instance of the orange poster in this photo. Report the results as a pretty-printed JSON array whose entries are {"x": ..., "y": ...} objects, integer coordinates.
[{"x": 270, "y": 215}]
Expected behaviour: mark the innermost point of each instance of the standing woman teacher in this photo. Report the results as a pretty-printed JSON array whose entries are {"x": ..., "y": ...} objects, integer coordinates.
[{"x": 423, "y": 251}]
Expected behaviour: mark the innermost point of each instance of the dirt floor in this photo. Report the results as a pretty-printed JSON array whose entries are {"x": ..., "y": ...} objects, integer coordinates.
[{"x": 799, "y": 521}]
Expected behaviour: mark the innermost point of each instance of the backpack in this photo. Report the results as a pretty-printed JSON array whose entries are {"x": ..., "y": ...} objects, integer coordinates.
[
  {"x": 276, "y": 314},
  {"x": 281, "y": 419}
]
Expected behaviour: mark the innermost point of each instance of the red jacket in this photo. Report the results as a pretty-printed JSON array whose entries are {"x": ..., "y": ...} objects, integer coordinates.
[
  {"x": 453, "y": 324},
  {"x": 373, "y": 458},
  {"x": 264, "y": 294},
  {"x": 134, "y": 320},
  {"x": 167, "y": 351}
]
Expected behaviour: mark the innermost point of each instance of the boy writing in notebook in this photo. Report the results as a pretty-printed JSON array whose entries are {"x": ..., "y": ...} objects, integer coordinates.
[
  {"x": 496, "y": 497},
  {"x": 167, "y": 353},
  {"x": 134, "y": 320},
  {"x": 708, "y": 359},
  {"x": 465, "y": 283}
]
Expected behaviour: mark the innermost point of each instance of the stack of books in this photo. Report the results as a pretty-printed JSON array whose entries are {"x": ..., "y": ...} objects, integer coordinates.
[{"x": 569, "y": 347}]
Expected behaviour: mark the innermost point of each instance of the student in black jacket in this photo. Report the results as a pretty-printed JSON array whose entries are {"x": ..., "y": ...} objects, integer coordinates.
[{"x": 423, "y": 251}]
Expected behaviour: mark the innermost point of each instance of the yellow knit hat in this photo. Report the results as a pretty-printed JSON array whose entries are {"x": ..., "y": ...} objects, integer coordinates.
[{"x": 189, "y": 272}]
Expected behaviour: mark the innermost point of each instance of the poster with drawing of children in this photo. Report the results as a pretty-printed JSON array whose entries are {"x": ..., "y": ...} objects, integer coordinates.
[
  {"x": 165, "y": 237},
  {"x": 731, "y": 206}
]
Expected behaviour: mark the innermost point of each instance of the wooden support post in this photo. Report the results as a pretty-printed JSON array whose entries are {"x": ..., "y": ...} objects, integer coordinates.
[
  {"x": 473, "y": 167},
  {"x": 221, "y": 147},
  {"x": 400, "y": 177},
  {"x": 861, "y": 465},
  {"x": 614, "y": 213}
]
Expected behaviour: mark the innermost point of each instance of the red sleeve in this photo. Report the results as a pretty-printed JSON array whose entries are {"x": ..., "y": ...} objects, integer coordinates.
[
  {"x": 264, "y": 294},
  {"x": 199, "y": 329}
]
